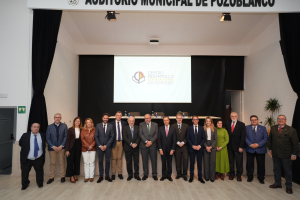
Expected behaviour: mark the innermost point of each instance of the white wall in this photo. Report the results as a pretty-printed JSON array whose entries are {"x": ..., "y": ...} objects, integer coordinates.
[{"x": 15, "y": 58}]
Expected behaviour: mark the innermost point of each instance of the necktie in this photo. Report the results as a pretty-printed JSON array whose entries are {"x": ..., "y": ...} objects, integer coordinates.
[
  {"x": 196, "y": 134},
  {"x": 104, "y": 129},
  {"x": 179, "y": 128},
  {"x": 57, "y": 133},
  {"x": 36, "y": 147},
  {"x": 119, "y": 134},
  {"x": 167, "y": 131},
  {"x": 132, "y": 132},
  {"x": 232, "y": 127},
  {"x": 279, "y": 129},
  {"x": 254, "y": 132},
  {"x": 148, "y": 126}
]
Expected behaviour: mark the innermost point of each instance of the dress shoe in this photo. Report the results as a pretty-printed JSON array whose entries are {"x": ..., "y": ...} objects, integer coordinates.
[
  {"x": 162, "y": 178},
  {"x": 24, "y": 187},
  {"x": 289, "y": 190},
  {"x": 113, "y": 177},
  {"x": 178, "y": 177},
  {"x": 231, "y": 177},
  {"x": 137, "y": 178},
  {"x": 72, "y": 181},
  {"x": 239, "y": 178},
  {"x": 185, "y": 178},
  {"x": 86, "y": 180},
  {"x": 206, "y": 179},
  {"x": 201, "y": 180},
  {"x": 261, "y": 181},
  {"x": 120, "y": 176},
  {"x": 191, "y": 180},
  {"x": 212, "y": 181},
  {"x": 40, "y": 186},
  {"x": 91, "y": 179},
  {"x": 129, "y": 178},
  {"x": 275, "y": 186},
  {"x": 155, "y": 178},
  {"x": 108, "y": 179},
  {"x": 100, "y": 179},
  {"x": 63, "y": 179},
  {"x": 222, "y": 177},
  {"x": 170, "y": 179},
  {"x": 75, "y": 177},
  {"x": 217, "y": 175},
  {"x": 50, "y": 180},
  {"x": 249, "y": 180},
  {"x": 144, "y": 178}
]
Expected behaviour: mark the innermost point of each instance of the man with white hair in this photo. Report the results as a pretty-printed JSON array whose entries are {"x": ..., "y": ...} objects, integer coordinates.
[{"x": 237, "y": 136}]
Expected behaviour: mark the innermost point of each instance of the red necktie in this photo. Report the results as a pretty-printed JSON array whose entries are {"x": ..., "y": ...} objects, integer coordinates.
[
  {"x": 232, "y": 127},
  {"x": 167, "y": 131},
  {"x": 279, "y": 129}
]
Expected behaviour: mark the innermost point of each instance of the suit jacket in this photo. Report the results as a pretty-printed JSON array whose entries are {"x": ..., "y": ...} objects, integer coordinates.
[
  {"x": 182, "y": 136},
  {"x": 213, "y": 139},
  {"x": 71, "y": 139},
  {"x": 261, "y": 139},
  {"x": 104, "y": 138},
  {"x": 166, "y": 143},
  {"x": 237, "y": 138},
  {"x": 285, "y": 144},
  {"x": 127, "y": 137},
  {"x": 52, "y": 138},
  {"x": 113, "y": 123},
  {"x": 143, "y": 132},
  {"x": 190, "y": 136},
  {"x": 24, "y": 143}
]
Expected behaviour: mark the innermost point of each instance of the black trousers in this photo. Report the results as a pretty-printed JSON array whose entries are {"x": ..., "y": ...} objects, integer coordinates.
[
  {"x": 193, "y": 155},
  {"x": 73, "y": 160},
  {"x": 181, "y": 158},
  {"x": 134, "y": 153},
  {"x": 238, "y": 157},
  {"x": 166, "y": 161},
  {"x": 38, "y": 166},
  {"x": 287, "y": 166},
  {"x": 101, "y": 154},
  {"x": 260, "y": 160}
]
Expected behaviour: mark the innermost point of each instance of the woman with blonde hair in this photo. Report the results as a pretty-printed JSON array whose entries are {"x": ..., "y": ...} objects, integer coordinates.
[
  {"x": 88, "y": 149},
  {"x": 210, "y": 148}
]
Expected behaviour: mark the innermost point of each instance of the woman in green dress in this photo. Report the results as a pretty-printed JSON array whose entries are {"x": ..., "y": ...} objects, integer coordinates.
[{"x": 222, "y": 161}]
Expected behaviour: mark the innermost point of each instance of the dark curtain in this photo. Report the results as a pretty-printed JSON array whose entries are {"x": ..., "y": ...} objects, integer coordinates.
[
  {"x": 44, "y": 37},
  {"x": 290, "y": 47}
]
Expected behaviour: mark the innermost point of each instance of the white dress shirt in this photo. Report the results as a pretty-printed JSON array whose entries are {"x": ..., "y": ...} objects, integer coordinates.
[
  {"x": 31, "y": 151},
  {"x": 105, "y": 127},
  {"x": 232, "y": 123},
  {"x": 179, "y": 126},
  {"x": 120, "y": 124},
  {"x": 147, "y": 128},
  {"x": 208, "y": 131},
  {"x": 77, "y": 133}
]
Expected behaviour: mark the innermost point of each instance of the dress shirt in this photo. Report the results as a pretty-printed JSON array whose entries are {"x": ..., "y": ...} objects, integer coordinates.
[
  {"x": 255, "y": 128},
  {"x": 147, "y": 128},
  {"x": 77, "y": 133},
  {"x": 234, "y": 123},
  {"x": 105, "y": 127},
  {"x": 31, "y": 151},
  {"x": 179, "y": 126},
  {"x": 131, "y": 127},
  {"x": 208, "y": 131},
  {"x": 168, "y": 128},
  {"x": 196, "y": 128},
  {"x": 120, "y": 124}
]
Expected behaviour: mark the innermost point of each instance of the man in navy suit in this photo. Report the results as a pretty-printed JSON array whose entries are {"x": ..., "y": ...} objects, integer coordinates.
[
  {"x": 104, "y": 136},
  {"x": 196, "y": 138},
  {"x": 117, "y": 147},
  {"x": 256, "y": 140},
  {"x": 166, "y": 146}
]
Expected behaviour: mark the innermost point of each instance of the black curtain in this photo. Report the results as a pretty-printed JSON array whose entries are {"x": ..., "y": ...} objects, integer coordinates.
[
  {"x": 44, "y": 37},
  {"x": 290, "y": 47}
]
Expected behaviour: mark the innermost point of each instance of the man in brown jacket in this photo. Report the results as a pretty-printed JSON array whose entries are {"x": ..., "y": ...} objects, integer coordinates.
[{"x": 284, "y": 148}]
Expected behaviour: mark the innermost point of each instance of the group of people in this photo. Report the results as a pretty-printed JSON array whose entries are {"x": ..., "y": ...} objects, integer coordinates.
[{"x": 219, "y": 148}]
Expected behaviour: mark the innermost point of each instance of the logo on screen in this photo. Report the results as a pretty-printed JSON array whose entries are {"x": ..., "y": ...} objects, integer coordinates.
[
  {"x": 138, "y": 77},
  {"x": 73, "y": 2}
]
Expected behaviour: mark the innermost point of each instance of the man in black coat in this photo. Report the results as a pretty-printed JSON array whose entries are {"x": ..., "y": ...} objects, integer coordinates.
[
  {"x": 166, "y": 146},
  {"x": 237, "y": 136},
  {"x": 131, "y": 143},
  {"x": 32, "y": 154}
]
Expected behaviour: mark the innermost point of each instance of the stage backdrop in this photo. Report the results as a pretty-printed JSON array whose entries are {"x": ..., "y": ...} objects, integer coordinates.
[{"x": 95, "y": 89}]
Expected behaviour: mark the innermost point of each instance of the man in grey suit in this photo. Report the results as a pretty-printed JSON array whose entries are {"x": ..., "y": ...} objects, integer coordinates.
[
  {"x": 148, "y": 132},
  {"x": 104, "y": 136}
]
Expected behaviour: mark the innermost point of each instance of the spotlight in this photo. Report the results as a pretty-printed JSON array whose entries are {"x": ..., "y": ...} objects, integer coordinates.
[
  {"x": 226, "y": 17},
  {"x": 111, "y": 15}
]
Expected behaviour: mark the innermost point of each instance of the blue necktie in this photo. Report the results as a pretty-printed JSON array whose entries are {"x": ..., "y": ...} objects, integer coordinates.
[
  {"x": 132, "y": 132},
  {"x": 36, "y": 147},
  {"x": 119, "y": 134},
  {"x": 254, "y": 133}
]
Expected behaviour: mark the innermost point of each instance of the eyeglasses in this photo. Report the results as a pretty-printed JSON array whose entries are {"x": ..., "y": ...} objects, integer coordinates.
[
  {"x": 195, "y": 119},
  {"x": 281, "y": 119},
  {"x": 253, "y": 120}
]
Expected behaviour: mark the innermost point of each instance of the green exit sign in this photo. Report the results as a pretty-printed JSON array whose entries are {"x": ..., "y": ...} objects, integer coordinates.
[{"x": 21, "y": 109}]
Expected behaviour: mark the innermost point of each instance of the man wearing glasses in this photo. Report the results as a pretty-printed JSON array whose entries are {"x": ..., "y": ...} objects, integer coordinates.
[
  {"x": 284, "y": 148},
  {"x": 256, "y": 139}
]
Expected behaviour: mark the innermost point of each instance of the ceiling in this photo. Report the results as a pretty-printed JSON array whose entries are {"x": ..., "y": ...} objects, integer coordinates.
[{"x": 172, "y": 28}]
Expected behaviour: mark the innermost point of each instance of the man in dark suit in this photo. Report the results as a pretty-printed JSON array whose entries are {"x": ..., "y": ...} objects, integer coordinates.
[
  {"x": 148, "y": 132},
  {"x": 117, "y": 146},
  {"x": 131, "y": 140},
  {"x": 181, "y": 152},
  {"x": 284, "y": 148},
  {"x": 196, "y": 138},
  {"x": 237, "y": 136},
  {"x": 166, "y": 146},
  {"x": 256, "y": 139},
  {"x": 32, "y": 154},
  {"x": 104, "y": 136}
]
